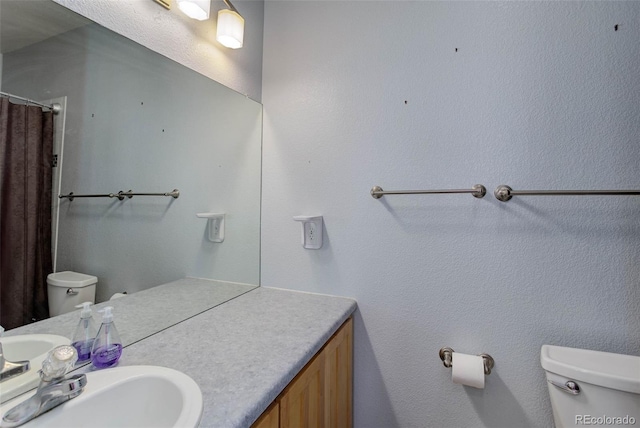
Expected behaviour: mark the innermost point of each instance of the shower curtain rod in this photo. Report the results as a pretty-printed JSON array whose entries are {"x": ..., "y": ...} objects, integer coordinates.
[{"x": 55, "y": 107}]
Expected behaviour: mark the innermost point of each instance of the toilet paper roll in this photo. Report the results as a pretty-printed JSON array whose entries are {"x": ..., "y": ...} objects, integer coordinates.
[
  {"x": 118, "y": 295},
  {"x": 467, "y": 370}
]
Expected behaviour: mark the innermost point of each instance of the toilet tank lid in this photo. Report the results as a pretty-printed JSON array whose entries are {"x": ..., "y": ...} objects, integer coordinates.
[
  {"x": 71, "y": 279},
  {"x": 616, "y": 371}
]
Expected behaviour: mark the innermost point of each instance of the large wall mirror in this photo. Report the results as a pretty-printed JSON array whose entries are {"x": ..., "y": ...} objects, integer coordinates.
[{"x": 132, "y": 119}]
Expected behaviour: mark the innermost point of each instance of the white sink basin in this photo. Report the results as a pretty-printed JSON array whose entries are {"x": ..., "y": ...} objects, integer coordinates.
[
  {"x": 129, "y": 396},
  {"x": 32, "y": 347}
]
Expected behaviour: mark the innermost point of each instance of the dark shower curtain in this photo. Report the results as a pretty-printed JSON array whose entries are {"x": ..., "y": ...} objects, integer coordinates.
[{"x": 26, "y": 152}]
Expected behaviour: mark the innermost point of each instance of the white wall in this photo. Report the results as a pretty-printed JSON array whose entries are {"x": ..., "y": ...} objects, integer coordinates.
[
  {"x": 419, "y": 95},
  {"x": 185, "y": 40}
]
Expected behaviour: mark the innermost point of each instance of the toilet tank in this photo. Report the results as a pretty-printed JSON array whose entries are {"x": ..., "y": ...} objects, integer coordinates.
[
  {"x": 68, "y": 289},
  {"x": 605, "y": 388}
]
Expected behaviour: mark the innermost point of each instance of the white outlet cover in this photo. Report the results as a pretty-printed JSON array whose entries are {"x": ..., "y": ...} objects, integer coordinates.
[{"x": 312, "y": 230}]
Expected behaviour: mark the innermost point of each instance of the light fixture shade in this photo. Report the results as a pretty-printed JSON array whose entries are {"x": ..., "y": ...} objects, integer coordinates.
[
  {"x": 196, "y": 9},
  {"x": 230, "y": 31}
]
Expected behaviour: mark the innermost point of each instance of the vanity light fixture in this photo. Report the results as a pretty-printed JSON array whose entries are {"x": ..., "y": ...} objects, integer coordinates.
[
  {"x": 196, "y": 9},
  {"x": 230, "y": 31}
]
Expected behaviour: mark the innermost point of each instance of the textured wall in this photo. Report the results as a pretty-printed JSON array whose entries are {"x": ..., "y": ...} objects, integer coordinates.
[
  {"x": 411, "y": 95},
  {"x": 185, "y": 40}
]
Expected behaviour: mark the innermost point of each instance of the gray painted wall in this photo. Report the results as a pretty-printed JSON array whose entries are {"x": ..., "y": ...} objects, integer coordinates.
[
  {"x": 136, "y": 120},
  {"x": 419, "y": 95}
]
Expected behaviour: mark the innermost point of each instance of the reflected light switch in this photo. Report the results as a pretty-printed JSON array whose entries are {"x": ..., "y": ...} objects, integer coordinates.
[{"x": 215, "y": 226}]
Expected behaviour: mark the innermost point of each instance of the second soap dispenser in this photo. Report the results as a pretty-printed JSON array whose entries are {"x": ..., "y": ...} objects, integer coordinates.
[
  {"x": 107, "y": 348},
  {"x": 85, "y": 333}
]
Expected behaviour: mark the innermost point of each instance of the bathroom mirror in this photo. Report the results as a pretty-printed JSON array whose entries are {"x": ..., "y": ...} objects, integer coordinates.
[{"x": 133, "y": 119}]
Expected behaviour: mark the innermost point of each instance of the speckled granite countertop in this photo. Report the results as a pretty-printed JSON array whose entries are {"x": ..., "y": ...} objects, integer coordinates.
[
  {"x": 241, "y": 344},
  {"x": 243, "y": 353}
]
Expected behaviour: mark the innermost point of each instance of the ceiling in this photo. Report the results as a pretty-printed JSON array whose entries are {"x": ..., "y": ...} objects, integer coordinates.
[{"x": 18, "y": 18}]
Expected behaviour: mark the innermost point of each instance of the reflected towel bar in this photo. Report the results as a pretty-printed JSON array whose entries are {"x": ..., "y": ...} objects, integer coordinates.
[
  {"x": 175, "y": 193},
  {"x": 504, "y": 193},
  {"x": 478, "y": 191},
  {"x": 71, "y": 196}
]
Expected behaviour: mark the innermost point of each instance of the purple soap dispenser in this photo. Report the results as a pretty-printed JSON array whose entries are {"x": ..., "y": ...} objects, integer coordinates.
[
  {"x": 107, "y": 348},
  {"x": 85, "y": 333}
]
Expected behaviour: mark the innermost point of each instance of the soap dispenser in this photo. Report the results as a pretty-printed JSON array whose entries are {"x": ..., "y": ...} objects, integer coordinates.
[
  {"x": 85, "y": 333},
  {"x": 107, "y": 348}
]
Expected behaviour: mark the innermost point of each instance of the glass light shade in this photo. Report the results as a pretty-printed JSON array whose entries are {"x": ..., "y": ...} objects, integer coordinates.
[
  {"x": 230, "y": 31},
  {"x": 196, "y": 9}
]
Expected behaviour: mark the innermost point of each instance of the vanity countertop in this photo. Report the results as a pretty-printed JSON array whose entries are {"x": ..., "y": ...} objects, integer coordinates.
[{"x": 243, "y": 353}]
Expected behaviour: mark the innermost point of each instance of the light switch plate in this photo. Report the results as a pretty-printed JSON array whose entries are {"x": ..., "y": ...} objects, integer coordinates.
[{"x": 312, "y": 230}]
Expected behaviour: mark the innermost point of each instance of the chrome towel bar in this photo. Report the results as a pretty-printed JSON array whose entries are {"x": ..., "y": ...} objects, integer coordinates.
[
  {"x": 504, "y": 193},
  {"x": 478, "y": 191},
  {"x": 175, "y": 193}
]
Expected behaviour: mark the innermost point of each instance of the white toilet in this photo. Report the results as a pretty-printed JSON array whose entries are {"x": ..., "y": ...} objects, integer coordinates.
[
  {"x": 592, "y": 387},
  {"x": 68, "y": 289}
]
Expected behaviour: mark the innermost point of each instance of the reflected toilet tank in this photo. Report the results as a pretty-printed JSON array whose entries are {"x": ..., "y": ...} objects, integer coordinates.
[
  {"x": 591, "y": 387},
  {"x": 68, "y": 289}
]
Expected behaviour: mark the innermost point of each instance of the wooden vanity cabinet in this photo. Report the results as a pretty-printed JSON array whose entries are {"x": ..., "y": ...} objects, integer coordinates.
[
  {"x": 321, "y": 394},
  {"x": 270, "y": 418}
]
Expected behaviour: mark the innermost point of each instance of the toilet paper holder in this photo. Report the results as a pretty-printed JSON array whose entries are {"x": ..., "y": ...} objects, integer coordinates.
[{"x": 446, "y": 355}]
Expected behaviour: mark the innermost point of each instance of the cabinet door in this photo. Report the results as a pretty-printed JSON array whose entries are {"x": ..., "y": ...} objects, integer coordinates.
[
  {"x": 302, "y": 402},
  {"x": 270, "y": 418},
  {"x": 338, "y": 354},
  {"x": 321, "y": 394}
]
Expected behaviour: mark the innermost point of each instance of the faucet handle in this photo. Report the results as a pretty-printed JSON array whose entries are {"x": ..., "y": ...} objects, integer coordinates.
[{"x": 58, "y": 362}]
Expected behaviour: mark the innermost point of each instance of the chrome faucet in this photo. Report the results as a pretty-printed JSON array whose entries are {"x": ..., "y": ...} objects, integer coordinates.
[
  {"x": 54, "y": 389},
  {"x": 9, "y": 369}
]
